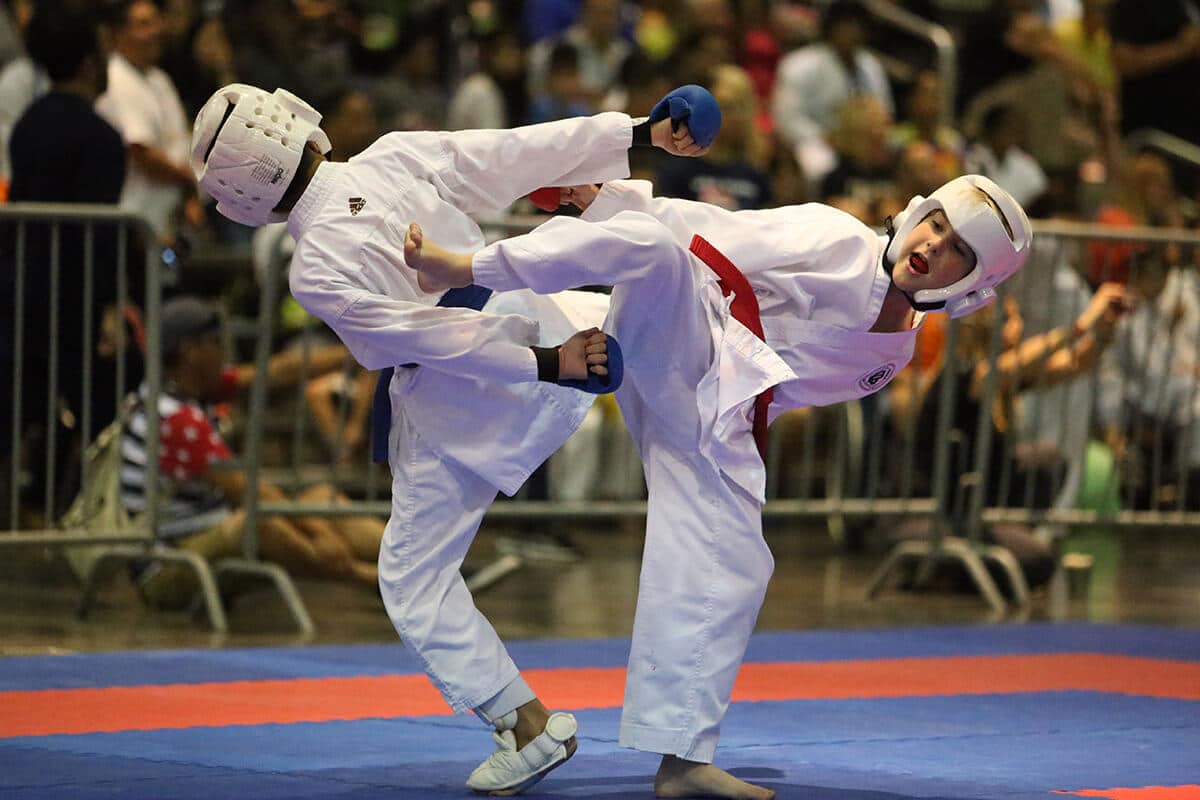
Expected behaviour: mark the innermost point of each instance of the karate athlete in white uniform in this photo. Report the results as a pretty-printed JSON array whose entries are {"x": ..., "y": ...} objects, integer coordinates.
[
  {"x": 828, "y": 312},
  {"x": 484, "y": 409}
]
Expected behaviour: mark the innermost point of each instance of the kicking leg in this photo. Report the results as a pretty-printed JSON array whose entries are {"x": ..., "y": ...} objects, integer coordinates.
[{"x": 562, "y": 254}]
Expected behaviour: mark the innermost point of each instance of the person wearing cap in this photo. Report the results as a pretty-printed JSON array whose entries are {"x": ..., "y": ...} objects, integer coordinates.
[
  {"x": 202, "y": 483},
  {"x": 481, "y": 390},
  {"x": 729, "y": 318}
]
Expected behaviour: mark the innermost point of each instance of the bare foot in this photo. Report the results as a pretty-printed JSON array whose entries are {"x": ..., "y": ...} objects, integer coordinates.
[
  {"x": 680, "y": 778},
  {"x": 437, "y": 268}
]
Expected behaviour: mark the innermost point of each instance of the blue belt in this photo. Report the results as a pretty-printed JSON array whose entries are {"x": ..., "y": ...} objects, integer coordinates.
[{"x": 472, "y": 297}]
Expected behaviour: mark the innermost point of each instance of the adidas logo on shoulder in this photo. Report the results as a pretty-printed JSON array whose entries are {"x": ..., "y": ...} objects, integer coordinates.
[{"x": 356, "y": 205}]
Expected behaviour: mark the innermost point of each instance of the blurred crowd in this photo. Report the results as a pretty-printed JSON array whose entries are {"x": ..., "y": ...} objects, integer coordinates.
[
  {"x": 844, "y": 102},
  {"x": 825, "y": 101}
]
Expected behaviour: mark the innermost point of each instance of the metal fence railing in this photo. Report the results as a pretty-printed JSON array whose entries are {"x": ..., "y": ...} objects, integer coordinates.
[
  {"x": 1121, "y": 430},
  {"x": 80, "y": 284},
  {"x": 855, "y": 462}
]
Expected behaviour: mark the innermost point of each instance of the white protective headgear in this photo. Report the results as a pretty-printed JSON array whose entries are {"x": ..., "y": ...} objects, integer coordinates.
[
  {"x": 246, "y": 146},
  {"x": 997, "y": 255}
]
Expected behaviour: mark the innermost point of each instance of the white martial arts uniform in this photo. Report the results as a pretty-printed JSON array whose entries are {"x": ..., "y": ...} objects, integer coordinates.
[
  {"x": 472, "y": 418},
  {"x": 691, "y": 375}
]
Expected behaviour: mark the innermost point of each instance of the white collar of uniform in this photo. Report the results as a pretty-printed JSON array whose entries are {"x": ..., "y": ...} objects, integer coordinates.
[{"x": 310, "y": 202}]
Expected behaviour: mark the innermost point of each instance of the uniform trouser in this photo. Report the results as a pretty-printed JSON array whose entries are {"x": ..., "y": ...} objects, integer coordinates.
[
  {"x": 437, "y": 506},
  {"x": 705, "y": 566},
  {"x": 436, "y": 510}
]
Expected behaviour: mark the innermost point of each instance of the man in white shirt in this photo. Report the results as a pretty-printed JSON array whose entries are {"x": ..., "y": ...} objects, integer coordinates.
[
  {"x": 142, "y": 104},
  {"x": 815, "y": 81}
]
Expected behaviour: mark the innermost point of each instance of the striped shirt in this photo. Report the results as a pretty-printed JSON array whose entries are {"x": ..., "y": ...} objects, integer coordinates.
[{"x": 188, "y": 446}]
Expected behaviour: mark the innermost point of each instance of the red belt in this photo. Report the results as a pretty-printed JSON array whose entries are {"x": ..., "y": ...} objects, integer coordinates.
[{"x": 745, "y": 311}]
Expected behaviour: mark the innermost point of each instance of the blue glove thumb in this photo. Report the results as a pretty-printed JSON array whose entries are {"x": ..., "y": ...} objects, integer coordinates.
[{"x": 694, "y": 105}]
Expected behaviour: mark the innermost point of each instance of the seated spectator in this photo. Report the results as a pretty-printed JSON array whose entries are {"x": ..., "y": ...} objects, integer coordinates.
[
  {"x": 864, "y": 176},
  {"x": 815, "y": 81},
  {"x": 925, "y": 108},
  {"x": 733, "y": 173},
  {"x": 202, "y": 483},
  {"x": 1000, "y": 156}
]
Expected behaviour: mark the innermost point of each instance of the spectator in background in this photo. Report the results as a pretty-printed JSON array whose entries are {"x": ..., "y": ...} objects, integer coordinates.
[
  {"x": 733, "y": 173},
  {"x": 1000, "y": 156},
  {"x": 1044, "y": 360},
  {"x": 142, "y": 104},
  {"x": 1143, "y": 194},
  {"x": 1087, "y": 37},
  {"x": 21, "y": 82},
  {"x": 354, "y": 118},
  {"x": 64, "y": 153},
  {"x": 563, "y": 95},
  {"x": 864, "y": 175},
  {"x": 12, "y": 20},
  {"x": 1156, "y": 52},
  {"x": 601, "y": 50},
  {"x": 204, "y": 485},
  {"x": 645, "y": 82},
  {"x": 1001, "y": 42},
  {"x": 412, "y": 95},
  {"x": 815, "y": 81},
  {"x": 494, "y": 95},
  {"x": 926, "y": 107},
  {"x": 199, "y": 58},
  {"x": 919, "y": 171}
]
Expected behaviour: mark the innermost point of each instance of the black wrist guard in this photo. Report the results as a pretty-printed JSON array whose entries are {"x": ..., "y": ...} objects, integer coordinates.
[
  {"x": 547, "y": 363},
  {"x": 641, "y": 135}
]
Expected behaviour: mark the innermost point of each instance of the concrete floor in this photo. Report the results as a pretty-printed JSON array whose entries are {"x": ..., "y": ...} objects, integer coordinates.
[{"x": 1139, "y": 576}]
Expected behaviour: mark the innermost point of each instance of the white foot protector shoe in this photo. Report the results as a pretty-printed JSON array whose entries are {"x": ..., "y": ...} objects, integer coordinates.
[{"x": 510, "y": 771}]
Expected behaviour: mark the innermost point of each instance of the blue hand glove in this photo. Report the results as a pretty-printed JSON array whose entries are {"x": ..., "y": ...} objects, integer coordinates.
[
  {"x": 694, "y": 105},
  {"x": 602, "y": 384}
]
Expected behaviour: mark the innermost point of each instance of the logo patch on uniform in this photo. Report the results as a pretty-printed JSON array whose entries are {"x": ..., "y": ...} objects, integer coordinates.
[
  {"x": 877, "y": 378},
  {"x": 356, "y": 205}
]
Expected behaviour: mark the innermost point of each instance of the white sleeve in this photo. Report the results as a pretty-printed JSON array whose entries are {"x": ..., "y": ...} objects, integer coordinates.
[
  {"x": 383, "y": 332},
  {"x": 485, "y": 171}
]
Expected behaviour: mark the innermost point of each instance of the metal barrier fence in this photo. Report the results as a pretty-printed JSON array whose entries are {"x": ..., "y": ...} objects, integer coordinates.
[
  {"x": 860, "y": 461},
  {"x": 70, "y": 308},
  {"x": 853, "y": 463}
]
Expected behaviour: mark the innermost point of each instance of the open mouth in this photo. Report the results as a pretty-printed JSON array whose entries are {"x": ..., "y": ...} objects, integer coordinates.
[{"x": 918, "y": 264}]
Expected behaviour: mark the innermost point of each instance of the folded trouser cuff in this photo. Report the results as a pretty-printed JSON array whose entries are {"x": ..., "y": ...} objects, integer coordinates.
[{"x": 668, "y": 742}]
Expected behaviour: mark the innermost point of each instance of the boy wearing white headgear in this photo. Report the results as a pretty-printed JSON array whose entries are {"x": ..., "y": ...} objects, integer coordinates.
[
  {"x": 727, "y": 320},
  {"x": 493, "y": 396}
]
